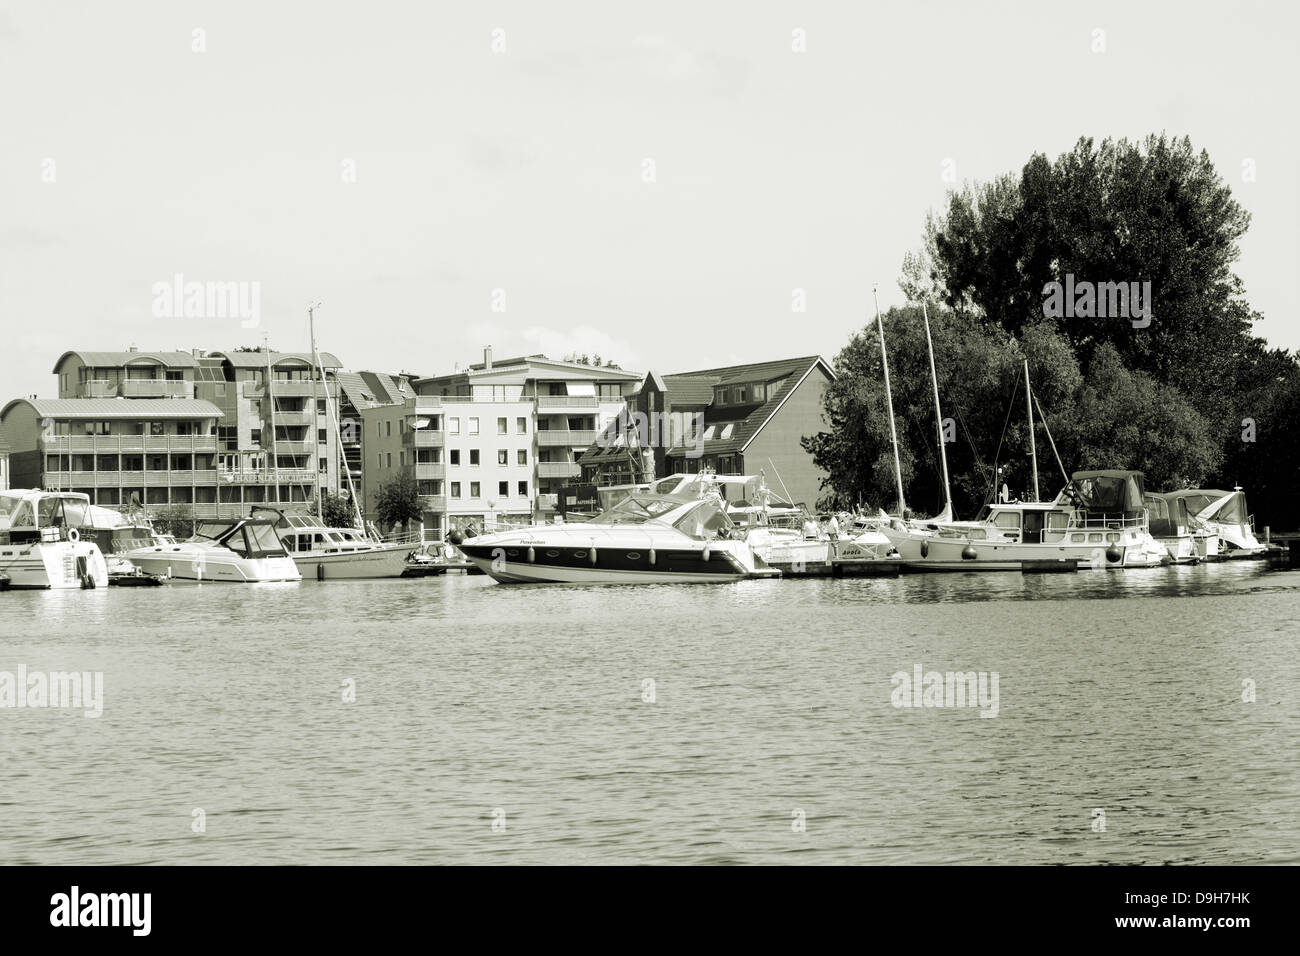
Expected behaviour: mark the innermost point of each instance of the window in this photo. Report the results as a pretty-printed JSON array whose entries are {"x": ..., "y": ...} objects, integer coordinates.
[
  {"x": 455, "y": 456},
  {"x": 522, "y": 457},
  {"x": 324, "y": 464},
  {"x": 453, "y": 426},
  {"x": 1007, "y": 519},
  {"x": 97, "y": 428},
  {"x": 503, "y": 489},
  {"x": 473, "y": 426},
  {"x": 401, "y": 459},
  {"x": 388, "y": 429},
  {"x": 521, "y": 426},
  {"x": 473, "y": 489},
  {"x": 320, "y": 436},
  {"x": 502, "y": 426},
  {"x": 255, "y": 435},
  {"x": 320, "y": 406},
  {"x": 523, "y": 489},
  {"x": 503, "y": 456},
  {"x": 379, "y": 459},
  {"x": 473, "y": 456},
  {"x": 455, "y": 489},
  {"x": 390, "y": 459}
]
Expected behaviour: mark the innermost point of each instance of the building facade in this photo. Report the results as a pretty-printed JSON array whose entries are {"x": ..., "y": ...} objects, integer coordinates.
[
  {"x": 492, "y": 444},
  {"x": 215, "y": 432},
  {"x": 740, "y": 419}
]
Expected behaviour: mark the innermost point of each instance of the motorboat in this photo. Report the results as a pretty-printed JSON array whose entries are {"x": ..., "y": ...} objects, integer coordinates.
[
  {"x": 647, "y": 538},
  {"x": 237, "y": 550},
  {"x": 325, "y": 554},
  {"x": 1187, "y": 540},
  {"x": 41, "y": 542},
  {"x": 1225, "y": 514},
  {"x": 1099, "y": 520}
]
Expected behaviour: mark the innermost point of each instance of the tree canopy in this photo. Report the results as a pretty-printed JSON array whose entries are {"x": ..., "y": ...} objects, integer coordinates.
[{"x": 1193, "y": 397}]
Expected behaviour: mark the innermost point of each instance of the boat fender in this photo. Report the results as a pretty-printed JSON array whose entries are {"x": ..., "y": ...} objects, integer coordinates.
[
  {"x": 925, "y": 549},
  {"x": 1114, "y": 554},
  {"x": 532, "y": 556},
  {"x": 652, "y": 557},
  {"x": 455, "y": 537},
  {"x": 969, "y": 553},
  {"x": 707, "y": 554},
  {"x": 320, "y": 571},
  {"x": 591, "y": 555},
  {"x": 74, "y": 534}
]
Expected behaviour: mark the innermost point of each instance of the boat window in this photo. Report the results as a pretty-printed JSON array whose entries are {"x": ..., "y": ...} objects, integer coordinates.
[
  {"x": 263, "y": 541},
  {"x": 50, "y": 512},
  {"x": 1057, "y": 521},
  {"x": 1094, "y": 538},
  {"x": 1076, "y": 538},
  {"x": 19, "y": 512},
  {"x": 74, "y": 512},
  {"x": 706, "y": 518},
  {"x": 637, "y": 509},
  {"x": 1007, "y": 519}
]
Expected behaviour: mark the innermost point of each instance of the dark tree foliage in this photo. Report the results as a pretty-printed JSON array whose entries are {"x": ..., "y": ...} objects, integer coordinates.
[
  {"x": 1192, "y": 398},
  {"x": 339, "y": 510},
  {"x": 398, "y": 501}
]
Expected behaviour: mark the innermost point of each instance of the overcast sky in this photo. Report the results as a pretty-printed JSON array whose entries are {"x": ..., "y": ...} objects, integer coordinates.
[{"x": 525, "y": 170}]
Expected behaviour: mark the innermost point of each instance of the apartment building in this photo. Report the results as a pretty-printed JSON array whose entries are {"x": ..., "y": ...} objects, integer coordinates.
[
  {"x": 359, "y": 391},
  {"x": 739, "y": 419},
  {"x": 491, "y": 444},
  {"x": 213, "y": 431}
]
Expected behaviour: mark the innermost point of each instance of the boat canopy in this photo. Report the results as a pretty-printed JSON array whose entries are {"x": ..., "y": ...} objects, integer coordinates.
[
  {"x": 1109, "y": 490},
  {"x": 1212, "y": 503}
]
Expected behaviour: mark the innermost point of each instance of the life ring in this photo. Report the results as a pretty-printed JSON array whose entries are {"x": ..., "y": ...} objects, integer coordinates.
[{"x": 74, "y": 534}]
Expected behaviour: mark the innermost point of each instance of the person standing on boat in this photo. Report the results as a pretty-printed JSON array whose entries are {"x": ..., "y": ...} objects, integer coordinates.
[{"x": 833, "y": 533}]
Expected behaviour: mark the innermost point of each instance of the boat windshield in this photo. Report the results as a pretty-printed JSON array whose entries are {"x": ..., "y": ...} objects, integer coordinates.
[
  {"x": 212, "y": 529},
  {"x": 638, "y": 509},
  {"x": 704, "y": 520},
  {"x": 18, "y": 511}
]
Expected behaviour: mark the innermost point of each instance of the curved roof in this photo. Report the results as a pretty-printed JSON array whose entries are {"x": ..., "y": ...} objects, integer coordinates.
[
  {"x": 258, "y": 359},
  {"x": 1197, "y": 492},
  {"x": 111, "y": 359},
  {"x": 96, "y": 408}
]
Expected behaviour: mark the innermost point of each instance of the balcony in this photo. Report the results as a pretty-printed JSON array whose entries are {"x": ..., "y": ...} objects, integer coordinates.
[
  {"x": 426, "y": 438},
  {"x": 129, "y": 479},
  {"x": 305, "y": 417},
  {"x": 566, "y": 437},
  {"x": 108, "y": 444},
  {"x": 296, "y": 388},
  {"x": 433, "y": 502},
  {"x": 96, "y": 388},
  {"x": 156, "y": 388},
  {"x": 568, "y": 401},
  {"x": 557, "y": 469},
  {"x": 427, "y": 471},
  {"x": 291, "y": 446}
]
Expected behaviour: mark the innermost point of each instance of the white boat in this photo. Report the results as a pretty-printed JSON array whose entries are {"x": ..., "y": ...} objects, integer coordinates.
[
  {"x": 41, "y": 544},
  {"x": 237, "y": 550},
  {"x": 646, "y": 538},
  {"x": 1187, "y": 540},
  {"x": 1225, "y": 514},
  {"x": 325, "y": 554},
  {"x": 1098, "y": 521}
]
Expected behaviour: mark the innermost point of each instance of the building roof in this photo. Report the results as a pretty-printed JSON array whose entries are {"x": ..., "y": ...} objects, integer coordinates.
[
  {"x": 689, "y": 389},
  {"x": 142, "y": 408},
  {"x": 175, "y": 359},
  {"x": 372, "y": 389},
  {"x": 531, "y": 361},
  {"x": 258, "y": 359}
]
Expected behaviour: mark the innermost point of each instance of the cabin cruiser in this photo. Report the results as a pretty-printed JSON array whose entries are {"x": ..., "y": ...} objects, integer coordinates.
[
  {"x": 238, "y": 550},
  {"x": 1225, "y": 514},
  {"x": 1187, "y": 540},
  {"x": 646, "y": 538},
  {"x": 325, "y": 553},
  {"x": 41, "y": 543},
  {"x": 1098, "y": 521}
]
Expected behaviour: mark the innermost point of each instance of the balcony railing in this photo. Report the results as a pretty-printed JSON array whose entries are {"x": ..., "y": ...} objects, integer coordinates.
[
  {"x": 568, "y": 401},
  {"x": 107, "y": 444},
  {"x": 305, "y": 417},
  {"x": 425, "y": 437},
  {"x": 155, "y": 388},
  {"x": 427, "y": 471},
  {"x": 433, "y": 502},
  {"x": 282, "y": 476},
  {"x": 97, "y": 388},
  {"x": 557, "y": 469},
  {"x": 129, "y": 479},
  {"x": 566, "y": 437},
  {"x": 296, "y": 388}
]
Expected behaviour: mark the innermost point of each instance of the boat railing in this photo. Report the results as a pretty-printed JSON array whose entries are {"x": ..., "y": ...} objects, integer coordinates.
[
  {"x": 1110, "y": 520},
  {"x": 409, "y": 537}
]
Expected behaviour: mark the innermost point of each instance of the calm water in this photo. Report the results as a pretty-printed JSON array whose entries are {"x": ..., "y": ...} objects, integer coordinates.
[{"x": 1118, "y": 691}]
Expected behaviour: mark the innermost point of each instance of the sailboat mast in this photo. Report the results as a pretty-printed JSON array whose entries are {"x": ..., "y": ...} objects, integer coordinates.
[
  {"x": 938, "y": 413},
  {"x": 889, "y": 403},
  {"x": 1029, "y": 404},
  {"x": 315, "y": 400},
  {"x": 270, "y": 397}
]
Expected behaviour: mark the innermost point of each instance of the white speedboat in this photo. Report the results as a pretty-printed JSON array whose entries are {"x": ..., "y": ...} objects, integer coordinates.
[
  {"x": 325, "y": 554},
  {"x": 238, "y": 550},
  {"x": 41, "y": 543},
  {"x": 1098, "y": 521},
  {"x": 1225, "y": 514},
  {"x": 1187, "y": 540},
  {"x": 646, "y": 538}
]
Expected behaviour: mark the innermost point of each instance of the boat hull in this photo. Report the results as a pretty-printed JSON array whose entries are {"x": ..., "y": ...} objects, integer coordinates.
[
  {"x": 53, "y": 565},
  {"x": 947, "y": 554},
  {"x": 385, "y": 562},
  {"x": 573, "y": 565},
  {"x": 180, "y": 565}
]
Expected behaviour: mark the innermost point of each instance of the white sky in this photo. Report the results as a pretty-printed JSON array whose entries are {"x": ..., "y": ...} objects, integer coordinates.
[{"x": 523, "y": 170}]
